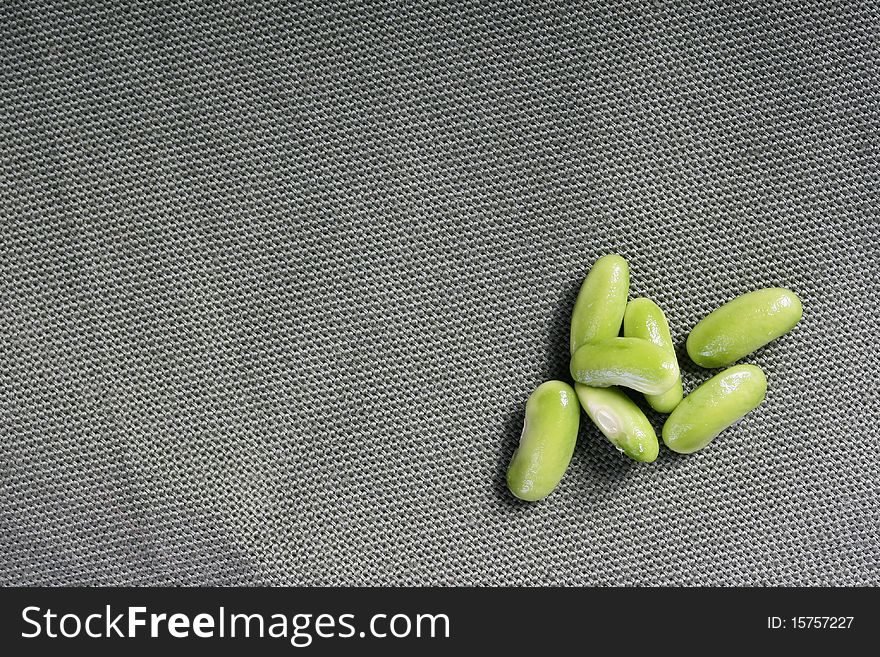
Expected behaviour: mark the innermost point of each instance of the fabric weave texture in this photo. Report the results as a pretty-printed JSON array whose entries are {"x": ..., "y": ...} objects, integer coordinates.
[{"x": 276, "y": 281}]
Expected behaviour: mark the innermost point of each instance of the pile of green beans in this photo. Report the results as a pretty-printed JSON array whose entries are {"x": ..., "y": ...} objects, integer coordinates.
[{"x": 643, "y": 359}]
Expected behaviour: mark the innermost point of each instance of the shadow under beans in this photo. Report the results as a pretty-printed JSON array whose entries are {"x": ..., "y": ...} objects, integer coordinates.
[
  {"x": 556, "y": 339},
  {"x": 510, "y": 435},
  {"x": 597, "y": 465},
  {"x": 691, "y": 373}
]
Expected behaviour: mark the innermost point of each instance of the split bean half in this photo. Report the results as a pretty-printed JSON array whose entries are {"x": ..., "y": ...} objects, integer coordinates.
[
  {"x": 645, "y": 320},
  {"x": 743, "y": 325},
  {"x": 601, "y": 302},
  {"x": 629, "y": 362},
  {"x": 547, "y": 442},
  {"x": 620, "y": 420},
  {"x": 710, "y": 409}
]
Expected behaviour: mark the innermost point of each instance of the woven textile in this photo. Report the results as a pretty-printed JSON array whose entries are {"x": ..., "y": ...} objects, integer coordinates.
[{"x": 277, "y": 280}]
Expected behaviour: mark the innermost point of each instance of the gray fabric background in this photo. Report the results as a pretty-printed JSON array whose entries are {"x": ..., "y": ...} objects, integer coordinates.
[{"x": 277, "y": 281}]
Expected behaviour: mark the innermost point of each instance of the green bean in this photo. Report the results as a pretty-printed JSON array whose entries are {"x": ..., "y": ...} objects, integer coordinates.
[
  {"x": 645, "y": 320},
  {"x": 547, "y": 442},
  {"x": 628, "y": 362},
  {"x": 620, "y": 420},
  {"x": 742, "y": 325},
  {"x": 714, "y": 406},
  {"x": 601, "y": 302}
]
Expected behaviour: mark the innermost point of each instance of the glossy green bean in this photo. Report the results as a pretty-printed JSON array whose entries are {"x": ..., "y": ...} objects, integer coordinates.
[
  {"x": 601, "y": 302},
  {"x": 628, "y": 362},
  {"x": 743, "y": 325},
  {"x": 547, "y": 441},
  {"x": 644, "y": 319},
  {"x": 710, "y": 409},
  {"x": 620, "y": 421}
]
